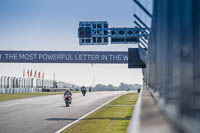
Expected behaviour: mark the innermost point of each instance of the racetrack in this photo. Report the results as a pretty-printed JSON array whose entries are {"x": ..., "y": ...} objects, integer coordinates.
[{"x": 47, "y": 114}]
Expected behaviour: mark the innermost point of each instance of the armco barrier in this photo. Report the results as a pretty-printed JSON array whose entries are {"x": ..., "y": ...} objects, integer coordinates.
[{"x": 19, "y": 90}]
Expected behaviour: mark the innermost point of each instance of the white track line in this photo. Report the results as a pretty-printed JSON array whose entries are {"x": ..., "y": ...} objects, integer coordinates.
[{"x": 65, "y": 127}]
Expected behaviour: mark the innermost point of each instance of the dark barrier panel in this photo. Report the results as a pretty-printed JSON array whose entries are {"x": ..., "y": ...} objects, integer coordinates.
[
  {"x": 173, "y": 66},
  {"x": 64, "y": 57},
  {"x": 134, "y": 60}
]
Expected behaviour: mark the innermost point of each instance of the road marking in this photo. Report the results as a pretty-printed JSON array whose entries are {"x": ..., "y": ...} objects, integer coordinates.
[{"x": 65, "y": 127}]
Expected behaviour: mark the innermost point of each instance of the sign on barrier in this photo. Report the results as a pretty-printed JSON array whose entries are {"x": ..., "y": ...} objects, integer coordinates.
[
  {"x": 134, "y": 59},
  {"x": 64, "y": 57}
]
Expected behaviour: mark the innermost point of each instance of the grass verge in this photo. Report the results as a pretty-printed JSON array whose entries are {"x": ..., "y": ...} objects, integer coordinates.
[
  {"x": 112, "y": 118},
  {"x": 4, "y": 97}
]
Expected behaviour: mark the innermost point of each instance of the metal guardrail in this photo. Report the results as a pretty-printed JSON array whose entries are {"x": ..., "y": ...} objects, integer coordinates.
[
  {"x": 142, "y": 53},
  {"x": 172, "y": 73}
]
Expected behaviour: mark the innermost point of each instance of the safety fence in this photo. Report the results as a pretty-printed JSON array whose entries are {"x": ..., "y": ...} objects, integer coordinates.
[{"x": 173, "y": 67}]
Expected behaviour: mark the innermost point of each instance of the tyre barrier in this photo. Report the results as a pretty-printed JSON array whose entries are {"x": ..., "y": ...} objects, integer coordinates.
[{"x": 19, "y": 90}]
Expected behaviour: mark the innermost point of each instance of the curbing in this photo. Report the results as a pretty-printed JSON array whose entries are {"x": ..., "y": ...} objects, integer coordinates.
[{"x": 134, "y": 126}]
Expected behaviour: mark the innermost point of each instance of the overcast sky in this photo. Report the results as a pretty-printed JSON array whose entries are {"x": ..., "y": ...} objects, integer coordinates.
[{"x": 52, "y": 25}]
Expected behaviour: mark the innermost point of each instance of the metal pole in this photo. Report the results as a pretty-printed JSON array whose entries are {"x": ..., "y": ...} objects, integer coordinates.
[
  {"x": 93, "y": 78},
  {"x": 143, "y": 8},
  {"x": 141, "y": 22}
]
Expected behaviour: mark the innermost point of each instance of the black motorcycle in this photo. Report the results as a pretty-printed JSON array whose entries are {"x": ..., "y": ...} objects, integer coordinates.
[{"x": 83, "y": 92}]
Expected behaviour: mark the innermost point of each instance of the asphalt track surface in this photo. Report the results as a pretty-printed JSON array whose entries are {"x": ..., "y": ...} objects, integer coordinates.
[{"x": 47, "y": 114}]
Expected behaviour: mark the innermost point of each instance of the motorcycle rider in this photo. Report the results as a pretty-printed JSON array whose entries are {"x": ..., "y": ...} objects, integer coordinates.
[
  {"x": 67, "y": 92},
  {"x": 83, "y": 90}
]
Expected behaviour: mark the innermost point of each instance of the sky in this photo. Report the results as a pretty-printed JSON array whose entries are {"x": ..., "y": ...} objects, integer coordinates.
[{"x": 53, "y": 25}]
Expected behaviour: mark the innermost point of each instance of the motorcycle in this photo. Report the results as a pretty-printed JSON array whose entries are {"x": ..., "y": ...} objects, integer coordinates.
[
  {"x": 83, "y": 92},
  {"x": 67, "y": 99}
]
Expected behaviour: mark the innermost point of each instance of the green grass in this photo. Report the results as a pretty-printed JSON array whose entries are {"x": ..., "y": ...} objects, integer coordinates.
[
  {"x": 112, "y": 118},
  {"x": 4, "y": 97},
  {"x": 128, "y": 99}
]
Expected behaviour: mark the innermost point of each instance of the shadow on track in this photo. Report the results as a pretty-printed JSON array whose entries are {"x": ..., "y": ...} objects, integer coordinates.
[
  {"x": 61, "y": 119},
  {"x": 63, "y": 106}
]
